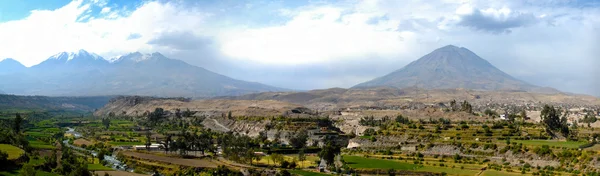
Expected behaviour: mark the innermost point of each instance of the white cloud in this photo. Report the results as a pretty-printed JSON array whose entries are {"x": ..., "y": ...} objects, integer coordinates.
[
  {"x": 316, "y": 35},
  {"x": 69, "y": 28},
  {"x": 105, "y": 10}
]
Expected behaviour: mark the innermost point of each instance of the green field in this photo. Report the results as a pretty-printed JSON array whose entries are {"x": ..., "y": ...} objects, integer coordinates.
[
  {"x": 362, "y": 162},
  {"x": 13, "y": 152},
  {"x": 567, "y": 144},
  {"x": 40, "y": 145},
  {"x": 98, "y": 167},
  {"x": 448, "y": 170},
  {"x": 307, "y": 173}
]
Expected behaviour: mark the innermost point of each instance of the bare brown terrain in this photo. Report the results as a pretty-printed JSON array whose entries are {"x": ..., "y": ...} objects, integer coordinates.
[
  {"x": 336, "y": 98},
  {"x": 80, "y": 142},
  {"x": 137, "y": 106},
  {"x": 171, "y": 160}
]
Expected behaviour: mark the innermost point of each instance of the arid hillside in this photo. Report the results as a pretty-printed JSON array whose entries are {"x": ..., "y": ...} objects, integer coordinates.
[
  {"x": 137, "y": 106},
  {"x": 385, "y": 97}
]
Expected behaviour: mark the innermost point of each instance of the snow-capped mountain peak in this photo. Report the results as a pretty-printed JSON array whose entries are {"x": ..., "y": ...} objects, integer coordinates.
[
  {"x": 67, "y": 56},
  {"x": 137, "y": 57}
]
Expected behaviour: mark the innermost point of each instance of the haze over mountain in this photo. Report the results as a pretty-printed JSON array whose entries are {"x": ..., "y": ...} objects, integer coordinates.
[
  {"x": 86, "y": 74},
  {"x": 8, "y": 66},
  {"x": 452, "y": 67}
]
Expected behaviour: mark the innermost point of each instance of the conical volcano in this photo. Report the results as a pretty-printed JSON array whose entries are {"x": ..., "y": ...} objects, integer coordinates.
[{"x": 450, "y": 67}]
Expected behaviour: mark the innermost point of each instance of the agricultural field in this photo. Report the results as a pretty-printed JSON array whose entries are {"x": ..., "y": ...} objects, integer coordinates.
[
  {"x": 309, "y": 162},
  {"x": 13, "y": 152},
  {"x": 171, "y": 160},
  {"x": 361, "y": 162},
  {"x": 551, "y": 143},
  {"x": 98, "y": 167}
]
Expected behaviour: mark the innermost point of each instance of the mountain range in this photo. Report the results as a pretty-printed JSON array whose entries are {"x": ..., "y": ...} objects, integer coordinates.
[
  {"x": 452, "y": 67},
  {"x": 83, "y": 73}
]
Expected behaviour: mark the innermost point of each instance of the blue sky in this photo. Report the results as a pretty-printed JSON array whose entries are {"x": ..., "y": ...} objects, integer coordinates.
[{"x": 317, "y": 44}]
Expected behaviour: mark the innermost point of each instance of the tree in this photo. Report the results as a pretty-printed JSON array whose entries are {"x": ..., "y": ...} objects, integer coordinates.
[
  {"x": 392, "y": 172},
  {"x": 17, "y": 123},
  {"x": 523, "y": 114},
  {"x": 284, "y": 173},
  {"x": 402, "y": 120},
  {"x": 466, "y": 106},
  {"x": 106, "y": 122},
  {"x": 157, "y": 115},
  {"x": 453, "y": 105},
  {"x": 167, "y": 143},
  {"x": 182, "y": 142},
  {"x": 28, "y": 170},
  {"x": 101, "y": 155},
  {"x": 299, "y": 140},
  {"x": 590, "y": 117},
  {"x": 148, "y": 139},
  {"x": 552, "y": 121},
  {"x": 277, "y": 158},
  {"x": 3, "y": 158},
  {"x": 369, "y": 132},
  {"x": 301, "y": 157},
  {"x": 329, "y": 152}
]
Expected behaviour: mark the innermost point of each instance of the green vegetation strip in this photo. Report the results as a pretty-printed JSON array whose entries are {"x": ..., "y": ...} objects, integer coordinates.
[
  {"x": 567, "y": 144},
  {"x": 362, "y": 162},
  {"x": 125, "y": 143},
  {"x": 98, "y": 167},
  {"x": 13, "y": 152}
]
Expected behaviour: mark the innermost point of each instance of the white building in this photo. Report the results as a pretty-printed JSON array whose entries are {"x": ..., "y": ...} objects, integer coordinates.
[
  {"x": 151, "y": 147},
  {"x": 503, "y": 117}
]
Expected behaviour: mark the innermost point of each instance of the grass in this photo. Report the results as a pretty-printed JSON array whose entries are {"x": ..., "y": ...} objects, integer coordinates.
[
  {"x": 567, "y": 144},
  {"x": 40, "y": 145},
  {"x": 13, "y": 152},
  {"x": 36, "y": 162},
  {"x": 362, "y": 162},
  {"x": 310, "y": 160},
  {"x": 98, "y": 167},
  {"x": 307, "y": 173},
  {"x": 125, "y": 143}
]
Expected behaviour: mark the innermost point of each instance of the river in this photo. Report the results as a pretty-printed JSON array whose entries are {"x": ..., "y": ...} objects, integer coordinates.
[{"x": 112, "y": 160}]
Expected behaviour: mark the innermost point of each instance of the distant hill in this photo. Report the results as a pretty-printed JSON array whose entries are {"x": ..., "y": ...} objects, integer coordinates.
[
  {"x": 86, "y": 74},
  {"x": 452, "y": 67},
  {"x": 88, "y": 104},
  {"x": 10, "y": 66}
]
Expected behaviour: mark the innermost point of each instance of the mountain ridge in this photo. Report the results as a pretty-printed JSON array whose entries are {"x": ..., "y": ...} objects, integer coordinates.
[
  {"x": 87, "y": 74},
  {"x": 10, "y": 65}
]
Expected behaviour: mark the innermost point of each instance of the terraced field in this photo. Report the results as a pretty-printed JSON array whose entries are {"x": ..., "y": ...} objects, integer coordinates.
[{"x": 13, "y": 152}]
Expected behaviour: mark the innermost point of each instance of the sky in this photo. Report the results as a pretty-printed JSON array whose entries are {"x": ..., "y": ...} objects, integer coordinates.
[{"x": 317, "y": 44}]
